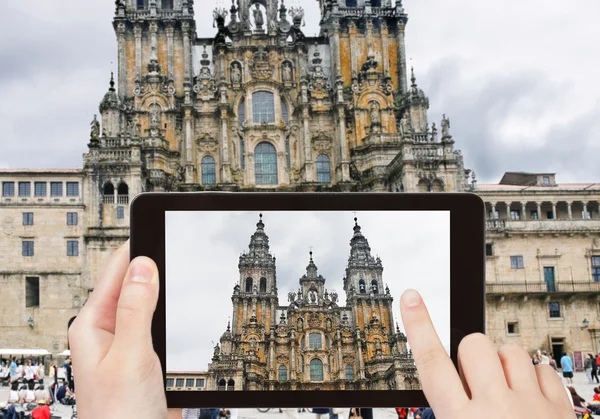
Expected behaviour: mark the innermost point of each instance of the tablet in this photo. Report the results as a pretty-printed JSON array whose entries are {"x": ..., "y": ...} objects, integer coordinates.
[{"x": 292, "y": 299}]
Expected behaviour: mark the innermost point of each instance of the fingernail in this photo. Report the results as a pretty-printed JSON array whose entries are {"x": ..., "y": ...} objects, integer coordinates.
[
  {"x": 411, "y": 298},
  {"x": 140, "y": 271}
]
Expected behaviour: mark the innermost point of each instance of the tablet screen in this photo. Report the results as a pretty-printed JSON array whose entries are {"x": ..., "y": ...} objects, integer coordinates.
[{"x": 300, "y": 300}]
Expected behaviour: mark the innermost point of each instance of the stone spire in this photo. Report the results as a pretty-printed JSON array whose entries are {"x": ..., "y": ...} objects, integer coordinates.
[
  {"x": 110, "y": 100},
  {"x": 258, "y": 249},
  {"x": 360, "y": 251}
]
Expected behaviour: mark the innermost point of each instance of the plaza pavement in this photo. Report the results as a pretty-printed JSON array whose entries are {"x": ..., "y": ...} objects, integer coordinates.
[{"x": 584, "y": 389}]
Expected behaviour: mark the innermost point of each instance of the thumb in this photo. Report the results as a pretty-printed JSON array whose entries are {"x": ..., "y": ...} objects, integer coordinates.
[{"x": 135, "y": 309}]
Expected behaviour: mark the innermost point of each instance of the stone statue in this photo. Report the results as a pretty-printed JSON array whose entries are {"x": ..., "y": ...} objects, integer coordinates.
[
  {"x": 154, "y": 115},
  {"x": 334, "y": 297},
  {"x": 95, "y": 129},
  {"x": 313, "y": 297},
  {"x": 287, "y": 72},
  {"x": 300, "y": 325},
  {"x": 445, "y": 126},
  {"x": 378, "y": 345},
  {"x": 217, "y": 350},
  {"x": 375, "y": 114},
  {"x": 291, "y": 297},
  {"x": 258, "y": 16},
  {"x": 236, "y": 73},
  {"x": 129, "y": 130}
]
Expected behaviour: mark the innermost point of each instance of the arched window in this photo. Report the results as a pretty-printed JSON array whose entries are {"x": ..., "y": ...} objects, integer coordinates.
[
  {"x": 222, "y": 384},
  {"x": 282, "y": 373},
  {"x": 263, "y": 285},
  {"x": 437, "y": 186},
  {"x": 316, "y": 370},
  {"x": 374, "y": 287},
  {"x": 230, "y": 385},
  {"x": 209, "y": 176},
  {"x": 361, "y": 287},
  {"x": 167, "y": 4},
  {"x": 422, "y": 186},
  {"x": 314, "y": 340},
  {"x": 265, "y": 164},
  {"x": 284, "y": 113},
  {"x": 349, "y": 372},
  {"x": 123, "y": 189},
  {"x": 108, "y": 192},
  {"x": 242, "y": 111},
  {"x": 323, "y": 169},
  {"x": 263, "y": 107},
  {"x": 248, "y": 284}
]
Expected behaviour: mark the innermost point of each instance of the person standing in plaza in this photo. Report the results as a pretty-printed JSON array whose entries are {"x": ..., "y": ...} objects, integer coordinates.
[
  {"x": 545, "y": 359},
  {"x": 69, "y": 375},
  {"x": 29, "y": 373},
  {"x": 41, "y": 373},
  {"x": 587, "y": 365},
  {"x": 12, "y": 370},
  {"x": 567, "y": 368},
  {"x": 594, "y": 369}
]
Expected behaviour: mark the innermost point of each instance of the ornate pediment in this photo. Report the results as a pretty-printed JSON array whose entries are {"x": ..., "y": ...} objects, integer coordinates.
[
  {"x": 260, "y": 65},
  {"x": 205, "y": 86},
  {"x": 207, "y": 143},
  {"x": 314, "y": 320},
  {"x": 322, "y": 142}
]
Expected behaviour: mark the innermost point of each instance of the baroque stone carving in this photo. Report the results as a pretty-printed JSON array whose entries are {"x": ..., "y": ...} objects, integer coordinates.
[
  {"x": 318, "y": 86},
  {"x": 205, "y": 86},
  {"x": 261, "y": 67}
]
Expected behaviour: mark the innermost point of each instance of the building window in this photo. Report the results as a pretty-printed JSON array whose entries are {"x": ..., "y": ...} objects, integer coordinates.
[
  {"x": 362, "y": 287},
  {"x": 24, "y": 188},
  {"x": 288, "y": 155},
  {"x": 32, "y": 291},
  {"x": 316, "y": 370},
  {"x": 515, "y": 215},
  {"x": 167, "y": 4},
  {"x": 108, "y": 193},
  {"x": 489, "y": 249},
  {"x": 120, "y": 212},
  {"x": 314, "y": 341},
  {"x": 534, "y": 215},
  {"x": 512, "y": 328},
  {"x": 350, "y": 3},
  {"x": 242, "y": 153},
  {"x": 27, "y": 248},
  {"x": 282, "y": 373},
  {"x": 516, "y": 262},
  {"x": 40, "y": 189},
  {"x": 179, "y": 382},
  {"x": 200, "y": 382},
  {"x": 284, "y": 113},
  {"x": 28, "y": 218},
  {"x": 494, "y": 215},
  {"x": 230, "y": 385},
  {"x": 263, "y": 285},
  {"x": 323, "y": 169},
  {"x": 596, "y": 268},
  {"x": 550, "y": 215},
  {"x": 209, "y": 176},
  {"x": 170, "y": 382},
  {"x": 8, "y": 188},
  {"x": 72, "y": 248},
  {"x": 249, "y": 284},
  {"x": 56, "y": 189},
  {"x": 263, "y": 107},
  {"x": 189, "y": 382},
  {"x": 554, "y": 309},
  {"x": 72, "y": 219},
  {"x": 546, "y": 180},
  {"x": 265, "y": 164},
  {"x": 123, "y": 194},
  {"x": 242, "y": 112},
  {"x": 374, "y": 287},
  {"x": 72, "y": 189},
  {"x": 349, "y": 372}
]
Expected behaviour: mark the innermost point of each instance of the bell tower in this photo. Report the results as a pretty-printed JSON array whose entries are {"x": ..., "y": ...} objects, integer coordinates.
[{"x": 255, "y": 295}]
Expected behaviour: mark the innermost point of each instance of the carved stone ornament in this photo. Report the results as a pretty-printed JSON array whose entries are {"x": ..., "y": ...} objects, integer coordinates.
[
  {"x": 318, "y": 85},
  {"x": 207, "y": 143},
  {"x": 282, "y": 358},
  {"x": 348, "y": 358},
  {"x": 205, "y": 86},
  {"x": 314, "y": 320},
  {"x": 261, "y": 67},
  {"x": 322, "y": 142}
]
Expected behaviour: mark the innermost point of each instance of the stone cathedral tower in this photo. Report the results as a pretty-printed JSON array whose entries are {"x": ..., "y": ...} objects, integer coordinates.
[{"x": 261, "y": 106}]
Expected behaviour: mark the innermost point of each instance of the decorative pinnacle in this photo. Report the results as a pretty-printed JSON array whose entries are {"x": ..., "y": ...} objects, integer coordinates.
[
  {"x": 355, "y": 222},
  {"x": 112, "y": 81},
  {"x": 310, "y": 253},
  {"x": 413, "y": 79},
  {"x": 228, "y": 325}
]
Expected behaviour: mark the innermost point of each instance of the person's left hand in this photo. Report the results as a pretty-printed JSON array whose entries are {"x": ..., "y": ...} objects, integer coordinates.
[{"x": 116, "y": 369}]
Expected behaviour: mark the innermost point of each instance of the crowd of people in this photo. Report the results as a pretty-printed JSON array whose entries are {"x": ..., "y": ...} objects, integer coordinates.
[
  {"x": 321, "y": 413},
  {"x": 32, "y": 390}
]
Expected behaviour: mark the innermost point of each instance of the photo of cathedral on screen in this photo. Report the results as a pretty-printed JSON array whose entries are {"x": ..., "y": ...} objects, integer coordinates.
[
  {"x": 313, "y": 343},
  {"x": 261, "y": 106}
]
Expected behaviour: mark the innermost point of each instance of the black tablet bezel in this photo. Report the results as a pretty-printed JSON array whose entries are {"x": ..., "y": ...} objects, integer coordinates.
[{"x": 467, "y": 268}]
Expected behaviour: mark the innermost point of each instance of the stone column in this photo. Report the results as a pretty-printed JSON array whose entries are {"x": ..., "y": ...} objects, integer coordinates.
[
  {"x": 225, "y": 165},
  {"x": 570, "y": 210},
  {"x": 236, "y": 329},
  {"x": 524, "y": 211},
  {"x": 293, "y": 357},
  {"x": 122, "y": 51},
  {"x": 401, "y": 57},
  {"x": 188, "y": 146},
  {"x": 187, "y": 62},
  {"x": 345, "y": 164},
  {"x": 170, "y": 47},
  {"x": 308, "y": 165},
  {"x": 271, "y": 357},
  {"x": 137, "y": 31},
  {"x": 245, "y": 319},
  {"x": 384, "y": 47},
  {"x": 335, "y": 48},
  {"x": 585, "y": 211},
  {"x": 554, "y": 211},
  {"x": 539, "y": 210},
  {"x": 508, "y": 204},
  {"x": 493, "y": 217},
  {"x": 361, "y": 363},
  {"x": 340, "y": 359}
]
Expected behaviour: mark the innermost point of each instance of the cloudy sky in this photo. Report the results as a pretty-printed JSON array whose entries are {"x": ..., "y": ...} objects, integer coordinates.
[
  {"x": 414, "y": 248},
  {"x": 518, "y": 79}
]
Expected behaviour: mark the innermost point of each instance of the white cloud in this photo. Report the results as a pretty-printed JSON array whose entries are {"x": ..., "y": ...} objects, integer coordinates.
[{"x": 203, "y": 249}]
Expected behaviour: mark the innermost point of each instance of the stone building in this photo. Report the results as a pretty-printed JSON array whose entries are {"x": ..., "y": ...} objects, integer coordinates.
[
  {"x": 313, "y": 343},
  {"x": 261, "y": 106}
]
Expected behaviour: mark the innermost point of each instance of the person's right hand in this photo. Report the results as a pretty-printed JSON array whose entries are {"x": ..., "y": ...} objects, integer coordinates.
[{"x": 491, "y": 384}]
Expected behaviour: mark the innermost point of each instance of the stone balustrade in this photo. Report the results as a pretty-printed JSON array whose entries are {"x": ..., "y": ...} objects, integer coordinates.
[{"x": 508, "y": 287}]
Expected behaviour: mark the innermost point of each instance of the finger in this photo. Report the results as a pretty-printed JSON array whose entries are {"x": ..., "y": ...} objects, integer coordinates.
[
  {"x": 439, "y": 378},
  {"x": 461, "y": 374},
  {"x": 551, "y": 386},
  {"x": 475, "y": 351},
  {"x": 519, "y": 372},
  {"x": 94, "y": 327},
  {"x": 136, "y": 306}
]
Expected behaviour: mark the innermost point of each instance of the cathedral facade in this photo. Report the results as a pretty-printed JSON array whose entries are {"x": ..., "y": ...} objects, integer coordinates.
[{"x": 313, "y": 343}]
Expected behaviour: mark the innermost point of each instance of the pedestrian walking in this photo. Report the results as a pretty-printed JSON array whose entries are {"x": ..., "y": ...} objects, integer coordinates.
[
  {"x": 41, "y": 373},
  {"x": 587, "y": 365},
  {"x": 545, "y": 359},
  {"x": 594, "y": 369},
  {"x": 29, "y": 373},
  {"x": 567, "y": 368},
  {"x": 553, "y": 362}
]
